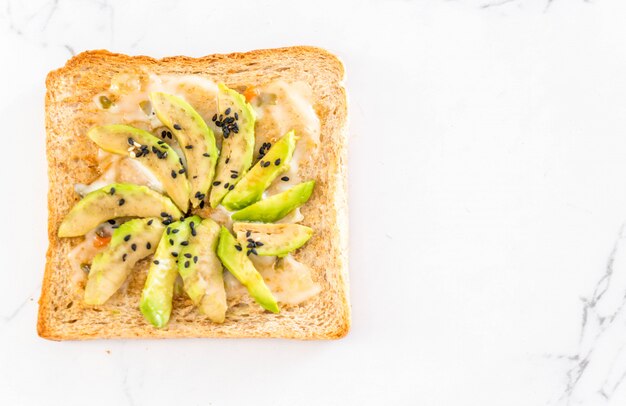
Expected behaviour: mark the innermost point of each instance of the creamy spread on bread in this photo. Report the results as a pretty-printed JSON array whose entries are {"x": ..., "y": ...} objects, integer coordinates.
[
  {"x": 279, "y": 107},
  {"x": 289, "y": 280}
]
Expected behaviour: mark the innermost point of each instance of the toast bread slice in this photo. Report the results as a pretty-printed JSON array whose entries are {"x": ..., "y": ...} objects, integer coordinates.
[{"x": 72, "y": 158}]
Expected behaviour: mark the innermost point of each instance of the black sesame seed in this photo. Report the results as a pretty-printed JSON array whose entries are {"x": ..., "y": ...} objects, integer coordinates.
[
  {"x": 206, "y": 154},
  {"x": 174, "y": 174},
  {"x": 216, "y": 183},
  {"x": 156, "y": 262},
  {"x": 174, "y": 231},
  {"x": 248, "y": 233},
  {"x": 254, "y": 251},
  {"x": 171, "y": 242},
  {"x": 164, "y": 214},
  {"x": 227, "y": 160},
  {"x": 277, "y": 162},
  {"x": 155, "y": 150},
  {"x": 233, "y": 176},
  {"x": 124, "y": 257},
  {"x": 227, "y": 112},
  {"x": 226, "y": 185},
  {"x": 167, "y": 222},
  {"x": 193, "y": 232},
  {"x": 186, "y": 264},
  {"x": 251, "y": 245},
  {"x": 188, "y": 146},
  {"x": 192, "y": 224},
  {"x": 131, "y": 141},
  {"x": 148, "y": 245},
  {"x": 201, "y": 204},
  {"x": 250, "y": 240},
  {"x": 169, "y": 135},
  {"x": 111, "y": 221},
  {"x": 112, "y": 191},
  {"x": 248, "y": 252},
  {"x": 238, "y": 247},
  {"x": 163, "y": 134},
  {"x": 231, "y": 187},
  {"x": 226, "y": 132},
  {"x": 181, "y": 171},
  {"x": 214, "y": 118},
  {"x": 174, "y": 254},
  {"x": 126, "y": 238},
  {"x": 150, "y": 222},
  {"x": 169, "y": 230},
  {"x": 184, "y": 243},
  {"x": 160, "y": 142},
  {"x": 187, "y": 255},
  {"x": 285, "y": 178},
  {"x": 177, "y": 127},
  {"x": 221, "y": 117},
  {"x": 195, "y": 260},
  {"x": 133, "y": 247},
  {"x": 266, "y": 164},
  {"x": 218, "y": 123},
  {"x": 236, "y": 116},
  {"x": 259, "y": 244}
]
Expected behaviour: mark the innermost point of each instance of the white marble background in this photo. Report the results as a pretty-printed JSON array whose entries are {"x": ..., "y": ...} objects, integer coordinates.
[{"x": 488, "y": 197}]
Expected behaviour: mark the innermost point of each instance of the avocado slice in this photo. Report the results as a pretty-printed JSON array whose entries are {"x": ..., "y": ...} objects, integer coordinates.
[
  {"x": 250, "y": 189},
  {"x": 156, "y": 297},
  {"x": 234, "y": 258},
  {"x": 151, "y": 152},
  {"x": 271, "y": 239},
  {"x": 201, "y": 271},
  {"x": 131, "y": 242},
  {"x": 195, "y": 138},
  {"x": 116, "y": 200},
  {"x": 278, "y": 206},
  {"x": 236, "y": 119}
]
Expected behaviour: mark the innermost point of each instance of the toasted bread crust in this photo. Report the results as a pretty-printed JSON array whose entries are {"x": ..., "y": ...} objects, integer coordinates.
[{"x": 70, "y": 111}]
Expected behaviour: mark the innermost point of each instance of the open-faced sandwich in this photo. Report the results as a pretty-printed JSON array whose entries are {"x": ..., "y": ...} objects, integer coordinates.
[{"x": 197, "y": 197}]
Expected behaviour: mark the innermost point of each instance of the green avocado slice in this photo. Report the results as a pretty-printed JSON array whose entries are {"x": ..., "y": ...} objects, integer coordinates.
[
  {"x": 250, "y": 189},
  {"x": 278, "y": 206},
  {"x": 157, "y": 294},
  {"x": 202, "y": 271},
  {"x": 152, "y": 153},
  {"x": 195, "y": 138},
  {"x": 116, "y": 200},
  {"x": 236, "y": 119},
  {"x": 234, "y": 258},
  {"x": 271, "y": 239},
  {"x": 131, "y": 242}
]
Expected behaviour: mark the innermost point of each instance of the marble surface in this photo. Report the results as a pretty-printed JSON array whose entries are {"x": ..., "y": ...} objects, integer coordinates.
[{"x": 487, "y": 202}]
